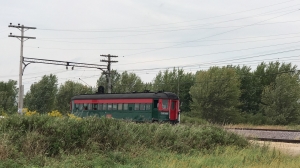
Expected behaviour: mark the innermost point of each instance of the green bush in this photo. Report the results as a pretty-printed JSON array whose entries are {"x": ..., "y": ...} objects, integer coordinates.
[
  {"x": 45, "y": 141},
  {"x": 42, "y": 135},
  {"x": 188, "y": 120}
]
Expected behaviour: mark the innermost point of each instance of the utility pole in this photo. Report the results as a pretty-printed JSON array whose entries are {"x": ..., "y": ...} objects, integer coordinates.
[
  {"x": 22, "y": 38},
  {"x": 178, "y": 83},
  {"x": 108, "y": 73}
]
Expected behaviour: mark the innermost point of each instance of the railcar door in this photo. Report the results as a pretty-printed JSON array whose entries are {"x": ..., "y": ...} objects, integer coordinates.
[
  {"x": 155, "y": 110},
  {"x": 173, "y": 114}
]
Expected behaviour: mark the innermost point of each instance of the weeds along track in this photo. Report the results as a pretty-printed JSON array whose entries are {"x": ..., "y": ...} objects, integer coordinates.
[{"x": 274, "y": 135}]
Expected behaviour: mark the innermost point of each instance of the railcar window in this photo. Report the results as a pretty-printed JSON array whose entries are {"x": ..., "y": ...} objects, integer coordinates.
[
  {"x": 105, "y": 106},
  {"x": 125, "y": 106},
  {"x": 165, "y": 104},
  {"x": 120, "y": 106},
  {"x": 115, "y": 106},
  {"x": 142, "y": 106},
  {"x": 85, "y": 106},
  {"x": 100, "y": 106},
  {"x": 130, "y": 106},
  {"x": 148, "y": 106},
  {"x": 90, "y": 106},
  {"x": 76, "y": 107},
  {"x": 137, "y": 106},
  {"x": 109, "y": 106},
  {"x": 173, "y": 105},
  {"x": 80, "y": 107},
  {"x": 95, "y": 106}
]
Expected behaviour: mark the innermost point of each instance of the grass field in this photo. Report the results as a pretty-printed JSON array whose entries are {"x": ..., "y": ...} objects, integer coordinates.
[{"x": 45, "y": 141}]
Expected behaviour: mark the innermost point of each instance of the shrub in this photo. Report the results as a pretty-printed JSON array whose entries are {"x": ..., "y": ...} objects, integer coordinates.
[
  {"x": 27, "y": 112},
  {"x": 24, "y": 110},
  {"x": 72, "y": 116},
  {"x": 55, "y": 113},
  {"x": 49, "y": 136},
  {"x": 184, "y": 119},
  {"x": 2, "y": 112},
  {"x": 30, "y": 113}
]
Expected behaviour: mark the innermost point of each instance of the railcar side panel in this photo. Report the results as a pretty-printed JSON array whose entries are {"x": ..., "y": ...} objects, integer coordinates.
[
  {"x": 119, "y": 109},
  {"x": 135, "y": 106}
]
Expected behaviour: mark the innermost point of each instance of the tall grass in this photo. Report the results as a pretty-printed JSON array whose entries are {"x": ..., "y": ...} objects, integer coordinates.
[
  {"x": 42, "y": 134},
  {"x": 46, "y": 141},
  {"x": 143, "y": 157},
  {"x": 188, "y": 120}
]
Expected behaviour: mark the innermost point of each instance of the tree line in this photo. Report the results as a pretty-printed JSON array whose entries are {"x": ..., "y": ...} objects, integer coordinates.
[{"x": 269, "y": 94}]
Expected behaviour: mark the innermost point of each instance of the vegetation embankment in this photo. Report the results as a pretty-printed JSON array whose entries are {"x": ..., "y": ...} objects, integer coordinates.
[
  {"x": 55, "y": 134},
  {"x": 47, "y": 141}
]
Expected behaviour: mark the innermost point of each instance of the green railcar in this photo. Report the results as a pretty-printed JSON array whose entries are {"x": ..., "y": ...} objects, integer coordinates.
[{"x": 149, "y": 106}]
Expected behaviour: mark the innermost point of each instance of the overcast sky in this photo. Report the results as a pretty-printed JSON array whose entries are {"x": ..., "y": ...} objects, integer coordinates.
[{"x": 148, "y": 36}]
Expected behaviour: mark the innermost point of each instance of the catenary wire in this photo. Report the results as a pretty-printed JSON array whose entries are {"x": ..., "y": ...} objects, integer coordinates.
[
  {"x": 157, "y": 42},
  {"x": 231, "y": 59},
  {"x": 198, "y": 55},
  {"x": 161, "y": 42},
  {"x": 181, "y": 28},
  {"x": 192, "y": 65},
  {"x": 192, "y": 20},
  {"x": 157, "y": 48},
  {"x": 214, "y": 34}
]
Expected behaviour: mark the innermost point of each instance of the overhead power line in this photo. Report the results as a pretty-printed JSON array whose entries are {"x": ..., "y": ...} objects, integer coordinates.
[
  {"x": 200, "y": 55},
  {"x": 231, "y": 39},
  {"x": 166, "y": 31},
  {"x": 261, "y": 55},
  {"x": 63, "y": 63},
  {"x": 203, "y": 45},
  {"x": 190, "y": 20},
  {"x": 212, "y": 62},
  {"x": 155, "y": 42},
  {"x": 197, "y": 65},
  {"x": 214, "y": 34},
  {"x": 171, "y": 29},
  {"x": 240, "y": 76},
  {"x": 203, "y": 66}
]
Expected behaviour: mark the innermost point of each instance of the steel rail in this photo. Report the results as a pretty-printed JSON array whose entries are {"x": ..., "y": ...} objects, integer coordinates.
[
  {"x": 276, "y": 140},
  {"x": 259, "y": 129},
  {"x": 273, "y": 135}
]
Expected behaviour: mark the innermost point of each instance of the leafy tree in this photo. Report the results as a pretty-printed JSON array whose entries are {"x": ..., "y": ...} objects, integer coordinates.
[
  {"x": 102, "y": 81},
  {"x": 280, "y": 100},
  {"x": 175, "y": 81},
  {"x": 148, "y": 86},
  {"x": 215, "y": 95},
  {"x": 249, "y": 82},
  {"x": 166, "y": 81},
  {"x": 123, "y": 83},
  {"x": 268, "y": 73},
  {"x": 265, "y": 75},
  {"x": 129, "y": 82},
  {"x": 41, "y": 96},
  {"x": 66, "y": 92},
  {"x": 8, "y": 96}
]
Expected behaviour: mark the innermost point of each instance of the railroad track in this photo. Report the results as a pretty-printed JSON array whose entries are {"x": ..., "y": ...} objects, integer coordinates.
[{"x": 274, "y": 135}]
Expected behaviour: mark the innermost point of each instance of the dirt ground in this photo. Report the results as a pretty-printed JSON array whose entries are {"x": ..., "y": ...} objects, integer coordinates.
[{"x": 287, "y": 148}]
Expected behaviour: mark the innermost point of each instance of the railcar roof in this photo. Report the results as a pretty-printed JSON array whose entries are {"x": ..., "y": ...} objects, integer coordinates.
[{"x": 162, "y": 95}]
